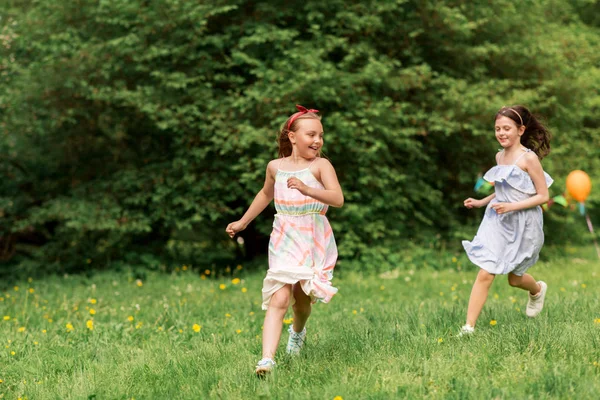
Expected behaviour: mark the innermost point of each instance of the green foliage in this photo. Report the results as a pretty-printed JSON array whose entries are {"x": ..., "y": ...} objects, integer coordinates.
[{"x": 136, "y": 130}]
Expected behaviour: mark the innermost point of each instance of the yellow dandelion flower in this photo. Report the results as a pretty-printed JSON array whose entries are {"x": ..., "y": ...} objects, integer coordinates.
[
  {"x": 139, "y": 282},
  {"x": 181, "y": 331},
  {"x": 244, "y": 290},
  {"x": 251, "y": 313},
  {"x": 235, "y": 281},
  {"x": 597, "y": 321},
  {"x": 441, "y": 340},
  {"x": 496, "y": 296},
  {"x": 493, "y": 322},
  {"x": 93, "y": 301},
  {"x": 92, "y": 311},
  {"x": 139, "y": 325},
  {"x": 35, "y": 343},
  {"x": 130, "y": 318},
  {"x": 90, "y": 325},
  {"x": 44, "y": 331},
  {"x": 196, "y": 327},
  {"x": 31, "y": 290},
  {"x": 7, "y": 317},
  {"x": 12, "y": 353},
  {"x": 238, "y": 331},
  {"x": 354, "y": 312},
  {"x": 69, "y": 327},
  {"x": 21, "y": 329},
  {"x": 583, "y": 285},
  {"x": 288, "y": 321},
  {"x": 1, "y": 298},
  {"x": 184, "y": 268},
  {"x": 228, "y": 315},
  {"x": 381, "y": 287},
  {"x": 222, "y": 286},
  {"x": 203, "y": 277},
  {"x": 239, "y": 267},
  {"x": 16, "y": 288},
  {"x": 454, "y": 259},
  {"x": 207, "y": 272},
  {"x": 362, "y": 309}
]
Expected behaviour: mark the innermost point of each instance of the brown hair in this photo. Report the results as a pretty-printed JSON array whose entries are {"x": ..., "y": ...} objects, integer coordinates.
[
  {"x": 285, "y": 146},
  {"x": 536, "y": 136}
]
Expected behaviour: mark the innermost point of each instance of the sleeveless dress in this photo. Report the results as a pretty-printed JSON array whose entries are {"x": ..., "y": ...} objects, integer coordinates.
[
  {"x": 510, "y": 242},
  {"x": 302, "y": 247}
]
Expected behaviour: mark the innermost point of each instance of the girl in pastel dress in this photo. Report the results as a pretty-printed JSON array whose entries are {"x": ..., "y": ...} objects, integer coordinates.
[
  {"x": 302, "y": 249},
  {"x": 510, "y": 236}
]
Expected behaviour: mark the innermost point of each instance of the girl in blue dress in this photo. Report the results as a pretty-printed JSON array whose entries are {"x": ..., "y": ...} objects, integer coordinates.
[{"x": 511, "y": 234}]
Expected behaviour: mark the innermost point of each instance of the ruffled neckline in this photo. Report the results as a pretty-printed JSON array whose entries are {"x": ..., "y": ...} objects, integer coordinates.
[{"x": 515, "y": 177}]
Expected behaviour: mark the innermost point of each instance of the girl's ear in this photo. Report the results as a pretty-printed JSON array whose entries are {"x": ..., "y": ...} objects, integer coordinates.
[
  {"x": 522, "y": 130},
  {"x": 292, "y": 137}
]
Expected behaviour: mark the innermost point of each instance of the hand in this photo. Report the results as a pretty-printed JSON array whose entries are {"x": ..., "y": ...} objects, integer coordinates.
[
  {"x": 502, "y": 208},
  {"x": 470, "y": 203},
  {"x": 234, "y": 228},
  {"x": 295, "y": 183}
]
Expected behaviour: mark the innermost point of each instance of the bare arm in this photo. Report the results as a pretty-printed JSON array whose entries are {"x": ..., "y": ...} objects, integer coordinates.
[
  {"x": 531, "y": 164},
  {"x": 260, "y": 202},
  {"x": 331, "y": 195},
  {"x": 535, "y": 171}
]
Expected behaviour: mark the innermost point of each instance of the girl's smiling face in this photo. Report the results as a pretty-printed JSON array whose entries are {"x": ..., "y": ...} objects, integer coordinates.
[
  {"x": 507, "y": 132},
  {"x": 307, "y": 139}
]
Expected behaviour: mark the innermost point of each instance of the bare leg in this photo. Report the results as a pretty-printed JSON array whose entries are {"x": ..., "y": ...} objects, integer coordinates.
[
  {"x": 302, "y": 308},
  {"x": 479, "y": 294},
  {"x": 525, "y": 282},
  {"x": 278, "y": 306}
]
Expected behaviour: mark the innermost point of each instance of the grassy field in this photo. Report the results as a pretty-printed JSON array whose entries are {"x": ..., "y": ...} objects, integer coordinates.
[{"x": 185, "y": 336}]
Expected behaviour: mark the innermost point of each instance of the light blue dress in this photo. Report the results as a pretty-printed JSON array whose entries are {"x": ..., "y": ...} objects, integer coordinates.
[{"x": 510, "y": 242}]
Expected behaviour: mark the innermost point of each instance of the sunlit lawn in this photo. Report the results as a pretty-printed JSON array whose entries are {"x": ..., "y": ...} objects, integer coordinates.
[{"x": 183, "y": 335}]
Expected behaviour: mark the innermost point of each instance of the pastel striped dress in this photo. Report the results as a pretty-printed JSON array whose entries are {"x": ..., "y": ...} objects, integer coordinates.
[{"x": 302, "y": 247}]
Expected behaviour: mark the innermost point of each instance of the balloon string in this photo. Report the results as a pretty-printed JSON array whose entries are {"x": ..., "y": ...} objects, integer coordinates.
[{"x": 591, "y": 228}]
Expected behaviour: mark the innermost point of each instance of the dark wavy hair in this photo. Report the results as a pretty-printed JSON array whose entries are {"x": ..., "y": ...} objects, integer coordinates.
[{"x": 536, "y": 136}]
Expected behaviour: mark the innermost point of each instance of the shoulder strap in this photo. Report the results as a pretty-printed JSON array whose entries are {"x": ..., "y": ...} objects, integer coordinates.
[
  {"x": 518, "y": 158},
  {"x": 280, "y": 161},
  {"x": 312, "y": 162}
]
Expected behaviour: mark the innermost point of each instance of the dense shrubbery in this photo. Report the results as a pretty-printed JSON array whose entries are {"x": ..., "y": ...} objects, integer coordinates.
[{"x": 133, "y": 131}]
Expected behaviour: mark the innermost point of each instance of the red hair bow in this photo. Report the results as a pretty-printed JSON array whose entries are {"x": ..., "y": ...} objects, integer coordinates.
[{"x": 301, "y": 111}]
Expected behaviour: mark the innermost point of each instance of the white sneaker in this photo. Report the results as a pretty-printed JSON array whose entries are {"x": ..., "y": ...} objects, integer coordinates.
[
  {"x": 466, "y": 330},
  {"x": 264, "y": 367},
  {"x": 296, "y": 341},
  {"x": 536, "y": 303}
]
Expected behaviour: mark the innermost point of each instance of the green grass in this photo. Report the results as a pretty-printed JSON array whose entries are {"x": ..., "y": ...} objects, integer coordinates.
[{"x": 382, "y": 337}]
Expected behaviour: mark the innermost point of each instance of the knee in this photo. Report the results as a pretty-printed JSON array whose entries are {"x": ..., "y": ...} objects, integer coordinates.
[
  {"x": 281, "y": 300},
  {"x": 485, "y": 277},
  {"x": 514, "y": 280},
  {"x": 302, "y": 307}
]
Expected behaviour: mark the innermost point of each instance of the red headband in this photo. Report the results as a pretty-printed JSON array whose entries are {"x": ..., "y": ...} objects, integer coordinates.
[{"x": 301, "y": 111}]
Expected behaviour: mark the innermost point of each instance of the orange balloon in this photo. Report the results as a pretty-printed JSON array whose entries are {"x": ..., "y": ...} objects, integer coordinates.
[{"x": 579, "y": 185}]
